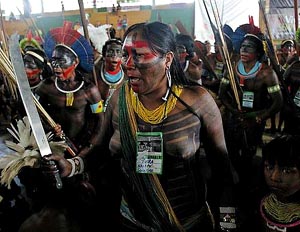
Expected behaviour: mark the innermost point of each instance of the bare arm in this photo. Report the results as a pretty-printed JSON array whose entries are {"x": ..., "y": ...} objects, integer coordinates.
[{"x": 273, "y": 87}]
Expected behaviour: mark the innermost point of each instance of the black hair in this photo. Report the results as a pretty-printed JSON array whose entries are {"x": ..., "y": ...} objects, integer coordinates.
[
  {"x": 161, "y": 40},
  {"x": 187, "y": 42},
  {"x": 41, "y": 64},
  {"x": 288, "y": 41},
  {"x": 32, "y": 51},
  {"x": 109, "y": 42},
  {"x": 285, "y": 150}
]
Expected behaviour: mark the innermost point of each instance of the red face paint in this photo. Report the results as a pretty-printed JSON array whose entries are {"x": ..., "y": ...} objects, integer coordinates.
[
  {"x": 139, "y": 54},
  {"x": 112, "y": 67},
  {"x": 67, "y": 71},
  {"x": 32, "y": 73}
]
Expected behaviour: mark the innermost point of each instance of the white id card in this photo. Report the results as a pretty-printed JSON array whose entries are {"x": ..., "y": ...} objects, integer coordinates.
[
  {"x": 248, "y": 99},
  {"x": 149, "y": 152}
]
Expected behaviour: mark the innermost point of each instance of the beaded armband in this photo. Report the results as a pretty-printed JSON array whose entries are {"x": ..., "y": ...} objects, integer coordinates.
[
  {"x": 77, "y": 165},
  {"x": 97, "y": 107},
  {"x": 274, "y": 88},
  {"x": 225, "y": 81}
]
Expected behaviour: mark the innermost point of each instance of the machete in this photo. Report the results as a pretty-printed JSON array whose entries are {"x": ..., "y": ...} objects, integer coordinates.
[{"x": 28, "y": 102}]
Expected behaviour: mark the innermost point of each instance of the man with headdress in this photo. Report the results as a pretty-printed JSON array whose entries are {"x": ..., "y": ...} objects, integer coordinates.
[
  {"x": 71, "y": 99},
  {"x": 258, "y": 97},
  {"x": 75, "y": 104}
]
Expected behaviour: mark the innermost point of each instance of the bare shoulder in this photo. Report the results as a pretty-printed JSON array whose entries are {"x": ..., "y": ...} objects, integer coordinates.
[
  {"x": 92, "y": 92},
  {"x": 45, "y": 87},
  {"x": 269, "y": 75},
  {"x": 198, "y": 97},
  {"x": 196, "y": 93}
]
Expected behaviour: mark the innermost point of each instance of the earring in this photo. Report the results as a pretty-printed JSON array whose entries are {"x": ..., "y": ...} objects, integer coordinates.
[
  {"x": 169, "y": 78},
  {"x": 168, "y": 74}
]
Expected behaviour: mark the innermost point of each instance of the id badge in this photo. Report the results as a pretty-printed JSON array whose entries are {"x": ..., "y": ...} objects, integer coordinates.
[
  {"x": 149, "y": 152},
  {"x": 297, "y": 98},
  {"x": 248, "y": 99}
]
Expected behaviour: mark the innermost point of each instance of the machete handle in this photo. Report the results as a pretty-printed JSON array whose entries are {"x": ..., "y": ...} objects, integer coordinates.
[{"x": 57, "y": 179}]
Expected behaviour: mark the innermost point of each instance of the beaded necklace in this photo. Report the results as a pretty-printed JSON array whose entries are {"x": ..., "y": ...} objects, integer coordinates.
[
  {"x": 35, "y": 86},
  {"x": 157, "y": 115},
  {"x": 112, "y": 80},
  {"x": 244, "y": 75},
  {"x": 278, "y": 213}
]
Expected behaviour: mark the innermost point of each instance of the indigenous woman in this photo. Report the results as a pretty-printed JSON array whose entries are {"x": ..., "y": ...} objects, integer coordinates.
[
  {"x": 69, "y": 98},
  {"x": 153, "y": 124}
]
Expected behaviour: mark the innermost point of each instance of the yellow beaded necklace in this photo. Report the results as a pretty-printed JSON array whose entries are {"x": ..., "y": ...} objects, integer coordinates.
[
  {"x": 284, "y": 213},
  {"x": 157, "y": 115}
]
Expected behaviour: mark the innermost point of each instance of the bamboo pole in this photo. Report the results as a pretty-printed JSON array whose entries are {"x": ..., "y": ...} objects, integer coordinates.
[
  {"x": 296, "y": 14},
  {"x": 86, "y": 32},
  {"x": 225, "y": 54}
]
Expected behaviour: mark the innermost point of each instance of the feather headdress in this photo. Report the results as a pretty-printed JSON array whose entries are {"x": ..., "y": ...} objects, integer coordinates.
[
  {"x": 29, "y": 41},
  {"x": 25, "y": 151},
  {"x": 98, "y": 35},
  {"x": 241, "y": 31},
  {"x": 74, "y": 41},
  {"x": 252, "y": 32}
]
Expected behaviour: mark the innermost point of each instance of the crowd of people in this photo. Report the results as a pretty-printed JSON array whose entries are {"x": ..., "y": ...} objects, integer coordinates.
[{"x": 202, "y": 114}]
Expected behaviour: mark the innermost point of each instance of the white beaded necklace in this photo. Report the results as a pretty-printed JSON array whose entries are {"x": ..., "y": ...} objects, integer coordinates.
[{"x": 68, "y": 91}]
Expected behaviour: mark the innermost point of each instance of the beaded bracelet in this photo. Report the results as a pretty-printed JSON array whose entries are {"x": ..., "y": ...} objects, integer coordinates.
[
  {"x": 71, "y": 161},
  {"x": 77, "y": 166}
]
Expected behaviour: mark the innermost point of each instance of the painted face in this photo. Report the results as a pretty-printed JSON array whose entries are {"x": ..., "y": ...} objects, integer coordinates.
[
  {"x": 32, "y": 70},
  {"x": 248, "y": 50},
  {"x": 114, "y": 50},
  {"x": 288, "y": 47},
  {"x": 181, "y": 50},
  {"x": 113, "y": 57},
  {"x": 136, "y": 52},
  {"x": 283, "y": 181},
  {"x": 144, "y": 68},
  {"x": 63, "y": 62}
]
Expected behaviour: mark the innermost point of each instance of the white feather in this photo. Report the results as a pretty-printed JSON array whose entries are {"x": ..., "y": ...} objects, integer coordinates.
[
  {"x": 98, "y": 35},
  {"x": 26, "y": 151}
]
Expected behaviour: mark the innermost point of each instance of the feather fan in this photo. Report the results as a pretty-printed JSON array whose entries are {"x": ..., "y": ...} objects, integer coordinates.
[{"x": 25, "y": 151}]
